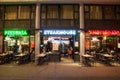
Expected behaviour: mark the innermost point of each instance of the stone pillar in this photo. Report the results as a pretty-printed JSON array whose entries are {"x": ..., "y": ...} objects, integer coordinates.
[
  {"x": 37, "y": 32},
  {"x": 82, "y": 33}
]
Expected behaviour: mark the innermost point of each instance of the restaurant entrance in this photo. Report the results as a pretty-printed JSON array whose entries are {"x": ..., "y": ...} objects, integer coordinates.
[
  {"x": 60, "y": 44},
  {"x": 16, "y": 41},
  {"x": 15, "y": 46},
  {"x": 63, "y": 45}
]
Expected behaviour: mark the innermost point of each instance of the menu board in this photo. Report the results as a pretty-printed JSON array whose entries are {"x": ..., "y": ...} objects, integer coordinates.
[
  {"x": 118, "y": 45},
  {"x": 55, "y": 46},
  {"x": 76, "y": 44}
]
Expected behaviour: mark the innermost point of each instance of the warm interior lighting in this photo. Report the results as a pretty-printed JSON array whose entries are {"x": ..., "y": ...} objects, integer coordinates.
[
  {"x": 104, "y": 38},
  {"x": 95, "y": 39}
]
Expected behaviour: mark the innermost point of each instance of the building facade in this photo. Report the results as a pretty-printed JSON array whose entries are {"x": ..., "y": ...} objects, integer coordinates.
[{"x": 86, "y": 25}]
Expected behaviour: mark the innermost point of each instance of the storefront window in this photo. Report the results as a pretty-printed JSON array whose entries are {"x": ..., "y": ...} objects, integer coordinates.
[
  {"x": 43, "y": 12},
  {"x": 101, "y": 43},
  {"x": 67, "y": 11},
  {"x": 76, "y": 9},
  {"x": 1, "y": 12},
  {"x": 16, "y": 41},
  {"x": 33, "y": 12},
  {"x": 86, "y": 9},
  {"x": 59, "y": 15},
  {"x": 109, "y": 12},
  {"x": 95, "y": 12},
  {"x": 102, "y": 12},
  {"x": 22, "y": 43},
  {"x": 11, "y": 12},
  {"x": 23, "y": 12},
  {"x": 118, "y": 12},
  {"x": 52, "y": 11}
]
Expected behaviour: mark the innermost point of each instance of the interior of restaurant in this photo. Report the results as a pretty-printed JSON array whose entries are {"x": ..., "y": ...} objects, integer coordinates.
[
  {"x": 102, "y": 41},
  {"x": 21, "y": 43},
  {"x": 103, "y": 45},
  {"x": 61, "y": 44},
  {"x": 19, "y": 49}
]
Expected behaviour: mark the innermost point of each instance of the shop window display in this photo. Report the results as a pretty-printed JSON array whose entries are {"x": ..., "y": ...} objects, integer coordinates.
[
  {"x": 101, "y": 43},
  {"x": 16, "y": 44}
]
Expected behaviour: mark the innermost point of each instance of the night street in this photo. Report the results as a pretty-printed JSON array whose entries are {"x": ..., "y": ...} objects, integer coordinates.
[
  {"x": 59, "y": 39},
  {"x": 57, "y": 71}
]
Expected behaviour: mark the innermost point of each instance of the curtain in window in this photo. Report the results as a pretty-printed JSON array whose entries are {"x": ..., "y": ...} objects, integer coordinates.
[
  {"x": 109, "y": 12},
  {"x": 52, "y": 11},
  {"x": 24, "y": 12},
  {"x": 11, "y": 12},
  {"x": 67, "y": 12},
  {"x": 95, "y": 12}
]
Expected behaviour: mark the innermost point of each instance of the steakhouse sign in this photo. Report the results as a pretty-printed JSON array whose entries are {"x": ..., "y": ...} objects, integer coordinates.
[{"x": 59, "y": 32}]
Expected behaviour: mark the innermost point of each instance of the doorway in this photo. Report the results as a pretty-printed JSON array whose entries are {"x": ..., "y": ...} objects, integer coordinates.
[{"x": 61, "y": 44}]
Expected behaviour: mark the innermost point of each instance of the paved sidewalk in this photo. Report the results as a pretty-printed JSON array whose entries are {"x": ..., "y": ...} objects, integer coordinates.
[{"x": 57, "y": 71}]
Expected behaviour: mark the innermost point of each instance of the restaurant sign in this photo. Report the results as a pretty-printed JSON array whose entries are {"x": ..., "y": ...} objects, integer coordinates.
[
  {"x": 59, "y": 32},
  {"x": 104, "y": 32},
  {"x": 15, "y": 32}
]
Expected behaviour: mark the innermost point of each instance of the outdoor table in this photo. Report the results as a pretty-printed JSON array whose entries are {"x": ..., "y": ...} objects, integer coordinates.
[
  {"x": 107, "y": 58},
  {"x": 54, "y": 56},
  {"x": 21, "y": 58},
  {"x": 41, "y": 55},
  {"x": 4, "y": 57},
  {"x": 87, "y": 58},
  {"x": 41, "y": 58},
  {"x": 107, "y": 55}
]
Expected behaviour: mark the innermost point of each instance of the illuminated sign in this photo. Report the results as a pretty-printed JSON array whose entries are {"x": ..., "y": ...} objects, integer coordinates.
[
  {"x": 59, "y": 32},
  {"x": 104, "y": 32},
  {"x": 15, "y": 32}
]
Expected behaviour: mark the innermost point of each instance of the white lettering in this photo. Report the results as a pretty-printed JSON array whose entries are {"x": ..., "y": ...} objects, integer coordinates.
[{"x": 59, "y": 32}]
